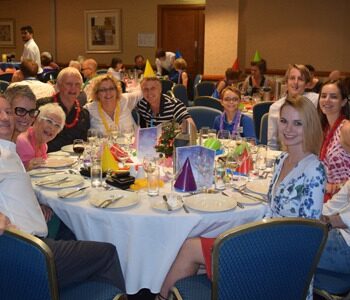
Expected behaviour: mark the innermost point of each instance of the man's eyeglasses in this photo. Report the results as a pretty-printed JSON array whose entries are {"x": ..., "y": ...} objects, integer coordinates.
[
  {"x": 21, "y": 112},
  {"x": 105, "y": 90},
  {"x": 51, "y": 122}
]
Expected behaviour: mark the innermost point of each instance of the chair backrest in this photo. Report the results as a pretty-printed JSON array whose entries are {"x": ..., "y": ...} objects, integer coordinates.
[
  {"x": 204, "y": 88},
  {"x": 203, "y": 116},
  {"x": 49, "y": 76},
  {"x": 180, "y": 92},
  {"x": 6, "y": 77},
  {"x": 3, "y": 85},
  {"x": 27, "y": 269},
  {"x": 269, "y": 259},
  {"x": 263, "y": 128},
  {"x": 166, "y": 85},
  {"x": 259, "y": 110},
  {"x": 209, "y": 102},
  {"x": 101, "y": 71}
]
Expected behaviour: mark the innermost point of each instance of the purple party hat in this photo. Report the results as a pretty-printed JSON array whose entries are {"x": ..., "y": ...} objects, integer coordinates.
[{"x": 185, "y": 180}]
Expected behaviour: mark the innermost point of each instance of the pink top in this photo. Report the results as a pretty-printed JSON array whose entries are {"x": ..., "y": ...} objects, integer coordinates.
[
  {"x": 337, "y": 160},
  {"x": 26, "y": 147}
]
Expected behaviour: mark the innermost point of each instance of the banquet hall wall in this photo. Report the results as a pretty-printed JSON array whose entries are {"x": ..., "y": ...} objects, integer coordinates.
[{"x": 312, "y": 31}]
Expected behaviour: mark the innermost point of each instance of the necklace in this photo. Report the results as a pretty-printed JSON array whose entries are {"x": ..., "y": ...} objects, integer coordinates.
[
  {"x": 77, "y": 113},
  {"x": 103, "y": 118}
]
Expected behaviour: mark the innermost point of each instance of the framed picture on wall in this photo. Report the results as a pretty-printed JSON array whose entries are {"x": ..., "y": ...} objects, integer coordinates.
[
  {"x": 7, "y": 33},
  {"x": 103, "y": 31}
]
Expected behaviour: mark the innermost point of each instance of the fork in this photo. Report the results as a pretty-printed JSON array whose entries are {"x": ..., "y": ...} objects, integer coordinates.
[
  {"x": 239, "y": 204},
  {"x": 183, "y": 204}
]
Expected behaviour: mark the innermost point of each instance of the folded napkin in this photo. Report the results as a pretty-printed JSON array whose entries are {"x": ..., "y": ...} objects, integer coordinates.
[
  {"x": 108, "y": 161},
  {"x": 119, "y": 152}
]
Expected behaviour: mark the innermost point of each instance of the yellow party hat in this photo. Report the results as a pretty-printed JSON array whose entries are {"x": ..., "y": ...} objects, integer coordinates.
[
  {"x": 108, "y": 161},
  {"x": 257, "y": 56},
  {"x": 149, "y": 73}
]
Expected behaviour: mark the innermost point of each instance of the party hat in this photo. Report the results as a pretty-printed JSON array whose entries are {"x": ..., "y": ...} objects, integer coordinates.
[
  {"x": 257, "y": 56},
  {"x": 149, "y": 73},
  {"x": 108, "y": 161},
  {"x": 178, "y": 54},
  {"x": 235, "y": 66},
  {"x": 185, "y": 180}
]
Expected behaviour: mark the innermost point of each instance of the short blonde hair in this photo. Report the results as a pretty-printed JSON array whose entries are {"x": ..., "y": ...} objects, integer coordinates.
[
  {"x": 312, "y": 129},
  {"x": 52, "y": 108},
  {"x": 97, "y": 83},
  {"x": 304, "y": 71},
  {"x": 66, "y": 72}
]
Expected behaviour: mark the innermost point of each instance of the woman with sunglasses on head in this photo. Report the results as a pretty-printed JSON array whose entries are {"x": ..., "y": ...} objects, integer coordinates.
[
  {"x": 31, "y": 145},
  {"x": 23, "y": 102},
  {"x": 232, "y": 118},
  {"x": 334, "y": 112},
  {"x": 110, "y": 107}
]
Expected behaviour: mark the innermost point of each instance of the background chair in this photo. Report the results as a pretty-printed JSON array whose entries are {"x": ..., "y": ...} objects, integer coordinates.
[
  {"x": 208, "y": 101},
  {"x": 101, "y": 71},
  {"x": 269, "y": 259},
  {"x": 3, "y": 85},
  {"x": 332, "y": 285},
  {"x": 203, "y": 116},
  {"x": 204, "y": 88},
  {"x": 180, "y": 92},
  {"x": 27, "y": 271},
  {"x": 263, "y": 128},
  {"x": 49, "y": 76},
  {"x": 6, "y": 77},
  {"x": 259, "y": 110},
  {"x": 166, "y": 85}
]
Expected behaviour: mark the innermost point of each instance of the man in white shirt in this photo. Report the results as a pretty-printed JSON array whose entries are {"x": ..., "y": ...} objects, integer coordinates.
[
  {"x": 297, "y": 76},
  {"x": 31, "y": 49},
  {"x": 165, "y": 62},
  {"x": 76, "y": 261}
]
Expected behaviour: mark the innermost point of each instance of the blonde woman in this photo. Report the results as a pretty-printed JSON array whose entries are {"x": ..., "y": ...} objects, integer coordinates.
[{"x": 110, "y": 107}]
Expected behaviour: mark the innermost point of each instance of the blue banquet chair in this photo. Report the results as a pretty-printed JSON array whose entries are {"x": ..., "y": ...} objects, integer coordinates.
[
  {"x": 208, "y": 101},
  {"x": 180, "y": 92},
  {"x": 259, "y": 109},
  {"x": 203, "y": 116},
  {"x": 332, "y": 285},
  {"x": 27, "y": 271},
  {"x": 3, "y": 86},
  {"x": 263, "y": 128},
  {"x": 269, "y": 259},
  {"x": 204, "y": 88},
  {"x": 166, "y": 85},
  {"x": 6, "y": 77}
]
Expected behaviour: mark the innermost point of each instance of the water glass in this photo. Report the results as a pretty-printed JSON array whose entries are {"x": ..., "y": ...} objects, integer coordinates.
[
  {"x": 153, "y": 182},
  {"x": 261, "y": 157},
  {"x": 96, "y": 173},
  {"x": 203, "y": 135},
  {"x": 219, "y": 176}
]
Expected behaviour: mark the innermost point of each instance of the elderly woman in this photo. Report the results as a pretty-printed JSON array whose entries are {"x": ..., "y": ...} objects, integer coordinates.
[
  {"x": 296, "y": 188},
  {"x": 333, "y": 108},
  {"x": 110, "y": 107},
  {"x": 23, "y": 103},
  {"x": 31, "y": 145},
  {"x": 232, "y": 119}
]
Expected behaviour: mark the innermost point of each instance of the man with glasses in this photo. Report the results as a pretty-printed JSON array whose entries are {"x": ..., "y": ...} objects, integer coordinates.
[
  {"x": 23, "y": 102},
  {"x": 69, "y": 83}
]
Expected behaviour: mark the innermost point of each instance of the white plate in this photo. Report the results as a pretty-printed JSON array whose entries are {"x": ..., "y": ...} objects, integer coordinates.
[
  {"x": 53, "y": 182},
  {"x": 58, "y": 153},
  {"x": 260, "y": 186},
  {"x": 59, "y": 162},
  {"x": 210, "y": 202},
  {"x": 159, "y": 204},
  {"x": 77, "y": 195},
  {"x": 129, "y": 198},
  {"x": 68, "y": 148},
  {"x": 42, "y": 172},
  {"x": 246, "y": 200}
]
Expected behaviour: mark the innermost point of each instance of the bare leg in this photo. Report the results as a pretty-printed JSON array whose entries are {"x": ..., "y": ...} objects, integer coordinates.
[{"x": 187, "y": 262}]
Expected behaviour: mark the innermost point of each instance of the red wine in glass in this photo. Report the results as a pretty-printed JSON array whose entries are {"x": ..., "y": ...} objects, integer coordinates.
[{"x": 78, "y": 149}]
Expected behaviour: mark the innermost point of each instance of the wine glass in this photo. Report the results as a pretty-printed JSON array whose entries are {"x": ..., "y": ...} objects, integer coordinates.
[
  {"x": 224, "y": 137},
  {"x": 78, "y": 148},
  {"x": 128, "y": 133},
  {"x": 114, "y": 132}
]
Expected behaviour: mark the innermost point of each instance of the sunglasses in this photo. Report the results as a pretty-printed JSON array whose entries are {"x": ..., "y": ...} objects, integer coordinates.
[{"x": 21, "y": 112}]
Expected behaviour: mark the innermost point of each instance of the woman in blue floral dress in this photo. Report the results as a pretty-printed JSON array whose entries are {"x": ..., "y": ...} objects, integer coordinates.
[{"x": 296, "y": 189}]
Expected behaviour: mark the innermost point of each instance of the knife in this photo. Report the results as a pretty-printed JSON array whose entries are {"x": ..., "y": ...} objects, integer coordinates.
[
  {"x": 108, "y": 202},
  {"x": 73, "y": 192},
  {"x": 52, "y": 182},
  {"x": 165, "y": 198}
]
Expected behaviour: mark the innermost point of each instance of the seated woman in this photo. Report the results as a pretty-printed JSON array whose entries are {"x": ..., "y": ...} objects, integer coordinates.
[
  {"x": 333, "y": 108},
  {"x": 31, "y": 145},
  {"x": 232, "y": 118},
  {"x": 257, "y": 81},
  {"x": 231, "y": 78},
  {"x": 110, "y": 107},
  {"x": 296, "y": 188},
  {"x": 117, "y": 68},
  {"x": 181, "y": 76}
]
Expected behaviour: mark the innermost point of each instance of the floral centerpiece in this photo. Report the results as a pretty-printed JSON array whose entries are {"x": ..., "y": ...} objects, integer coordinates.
[{"x": 166, "y": 140}]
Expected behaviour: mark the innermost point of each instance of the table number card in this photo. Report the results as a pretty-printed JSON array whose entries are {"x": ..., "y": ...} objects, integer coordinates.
[
  {"x": 146, "y": 139},
  {"x": 202, "y": 162}
]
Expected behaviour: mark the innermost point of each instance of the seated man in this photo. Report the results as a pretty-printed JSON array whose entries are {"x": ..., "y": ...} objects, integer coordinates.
[
  {"x": 69, "y": 82},
  {"x": 156, "y": 108},
  {"x": 76, "y": 261},
  {"x": 89, "y": 70},
  {"x": 29, "y": 70}
]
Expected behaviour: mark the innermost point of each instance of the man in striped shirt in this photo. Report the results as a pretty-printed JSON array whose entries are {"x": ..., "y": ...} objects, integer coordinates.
[{"x": 156, "y": 108}]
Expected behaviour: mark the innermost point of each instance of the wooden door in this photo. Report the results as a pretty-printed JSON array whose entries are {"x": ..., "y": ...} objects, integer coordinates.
[{"x": 181, "y": 28}]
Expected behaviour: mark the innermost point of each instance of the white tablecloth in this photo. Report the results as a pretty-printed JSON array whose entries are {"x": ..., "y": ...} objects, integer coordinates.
[{"x": 147, "y": 240}]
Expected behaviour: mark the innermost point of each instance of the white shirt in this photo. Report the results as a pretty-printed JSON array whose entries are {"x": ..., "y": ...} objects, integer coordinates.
[
  {"x": 31, "y": 51},
  {"x": 166, "y": 64},
  {"x": 17, "y": 199},
  {"x": 127, "y": 103},
  {"x": 274, "y": 115},
  {"x": 40, "y": 89},
  {"x": 340, "y": 204}
]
